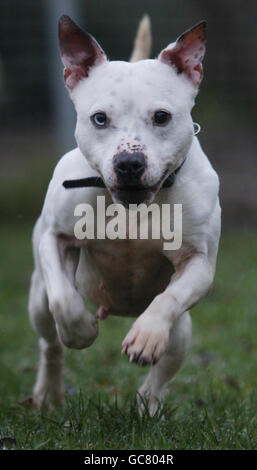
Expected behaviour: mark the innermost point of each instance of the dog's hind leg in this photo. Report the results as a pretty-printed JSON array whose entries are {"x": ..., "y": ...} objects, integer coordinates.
[
  {"x": 151, "y": 393},
  {"x": 49, "y": 377}
]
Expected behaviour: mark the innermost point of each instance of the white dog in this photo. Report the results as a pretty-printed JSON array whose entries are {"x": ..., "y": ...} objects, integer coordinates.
[{"x": 135, "y": 132}]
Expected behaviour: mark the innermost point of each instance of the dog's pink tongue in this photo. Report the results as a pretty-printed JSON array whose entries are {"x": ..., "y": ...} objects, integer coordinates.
[{"x": 102, "y": 313}]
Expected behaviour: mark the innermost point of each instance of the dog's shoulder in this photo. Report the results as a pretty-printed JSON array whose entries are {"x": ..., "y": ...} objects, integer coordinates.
[
  {"x": 59, "y": 204},
  {"x": 73, "y": 165},
  {"x": 198, "y": 177},
  {"x": 197, "y": 187}
]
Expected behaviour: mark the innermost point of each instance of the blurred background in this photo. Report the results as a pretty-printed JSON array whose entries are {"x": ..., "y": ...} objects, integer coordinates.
[{"x": 37, "y": 118}]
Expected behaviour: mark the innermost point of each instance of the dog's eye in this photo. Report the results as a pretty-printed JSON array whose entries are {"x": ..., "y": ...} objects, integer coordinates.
[
  {"x": 160, "y": 118},
  {"x": 99, "y": 119}
]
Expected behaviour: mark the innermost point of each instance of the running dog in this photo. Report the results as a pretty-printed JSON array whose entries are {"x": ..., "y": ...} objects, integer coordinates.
[{"x": 136, "y": 137}]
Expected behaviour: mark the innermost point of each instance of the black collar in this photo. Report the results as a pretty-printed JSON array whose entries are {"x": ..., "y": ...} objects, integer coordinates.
[{"x": 97, "y": 181}]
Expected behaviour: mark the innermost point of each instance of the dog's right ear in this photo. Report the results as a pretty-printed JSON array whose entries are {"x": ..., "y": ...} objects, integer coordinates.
[{"x": 79, "y": 51}]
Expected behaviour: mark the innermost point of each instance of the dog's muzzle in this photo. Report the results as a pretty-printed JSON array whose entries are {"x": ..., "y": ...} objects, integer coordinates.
[{"x": 129, "y": 168}]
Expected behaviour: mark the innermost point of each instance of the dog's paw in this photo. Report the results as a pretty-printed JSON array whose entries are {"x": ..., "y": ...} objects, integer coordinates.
[
  {"x": 77, "y": 328},
  {"x": 149, "y": 403},
  {"x": 79, "y": 336},
  {"x": 77, "y": 332},
  {"x": 146, "y": 341}
]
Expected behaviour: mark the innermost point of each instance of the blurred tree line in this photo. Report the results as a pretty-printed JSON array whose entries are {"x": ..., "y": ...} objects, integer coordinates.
[
  {"x": 226, "y": 106},
  {"x": 230, "y": 64}
]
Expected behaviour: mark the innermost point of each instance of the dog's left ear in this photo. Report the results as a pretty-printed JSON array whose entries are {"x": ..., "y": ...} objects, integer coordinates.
[
  {"x": 79, "y": 51},
  {"x": 187, "y": 53}
]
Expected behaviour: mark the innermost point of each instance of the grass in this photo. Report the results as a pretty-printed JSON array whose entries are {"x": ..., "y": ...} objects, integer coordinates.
[{"x": 211, "y": 404}]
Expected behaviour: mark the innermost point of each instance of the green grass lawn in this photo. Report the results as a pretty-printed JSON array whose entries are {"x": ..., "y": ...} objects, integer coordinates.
[{"x": 211, "y": 404}]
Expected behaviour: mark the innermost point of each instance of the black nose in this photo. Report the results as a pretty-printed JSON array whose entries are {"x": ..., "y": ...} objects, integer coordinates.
[{"x": 129, "y": 166}]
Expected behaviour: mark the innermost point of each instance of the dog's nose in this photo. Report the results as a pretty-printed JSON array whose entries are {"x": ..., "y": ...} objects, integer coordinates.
[{"x": 129, "y": 166}]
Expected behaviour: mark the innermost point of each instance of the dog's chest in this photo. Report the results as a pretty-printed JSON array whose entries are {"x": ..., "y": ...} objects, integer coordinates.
[{"x": 124, "y": 275}]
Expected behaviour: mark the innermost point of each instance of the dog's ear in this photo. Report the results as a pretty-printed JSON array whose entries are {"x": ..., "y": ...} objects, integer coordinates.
[
  {"x": 187, "y": 52},
  {"x": 79, "y": 51}
]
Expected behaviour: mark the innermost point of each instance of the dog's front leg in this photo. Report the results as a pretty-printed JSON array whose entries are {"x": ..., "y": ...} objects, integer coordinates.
[
  {"x": 149, "y": 335},
  {"x": 76, "y": 327}
]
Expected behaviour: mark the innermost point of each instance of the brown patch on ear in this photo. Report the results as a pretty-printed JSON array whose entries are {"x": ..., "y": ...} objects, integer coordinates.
[
  {"x": 187, "y": 53},
  {"x": 172, "y": 58},
  {"x": 79, "y": 51}
]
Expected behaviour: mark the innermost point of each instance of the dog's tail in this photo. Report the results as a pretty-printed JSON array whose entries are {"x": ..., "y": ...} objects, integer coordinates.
[{"x": 143, "y": 41}]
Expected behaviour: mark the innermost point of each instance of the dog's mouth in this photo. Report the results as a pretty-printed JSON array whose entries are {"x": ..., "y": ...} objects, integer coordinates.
[
  {"x": 127, "y": 195},
  {"x": 136, "y": 194}
]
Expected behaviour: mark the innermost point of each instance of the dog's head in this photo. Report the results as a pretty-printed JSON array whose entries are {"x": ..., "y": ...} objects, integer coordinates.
[{"x": 133, "y": 119}]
